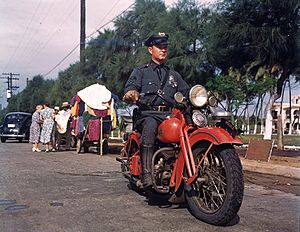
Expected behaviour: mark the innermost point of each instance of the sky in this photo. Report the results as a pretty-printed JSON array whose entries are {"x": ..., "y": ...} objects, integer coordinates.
[{"x": 36, "y": 35}]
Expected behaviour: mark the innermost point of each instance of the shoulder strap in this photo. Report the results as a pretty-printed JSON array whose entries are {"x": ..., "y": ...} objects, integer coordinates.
[{"x": 162, "y": 86}]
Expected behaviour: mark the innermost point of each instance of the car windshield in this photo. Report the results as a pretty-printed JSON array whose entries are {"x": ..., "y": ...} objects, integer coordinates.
[{"x": 15, "y": 118}]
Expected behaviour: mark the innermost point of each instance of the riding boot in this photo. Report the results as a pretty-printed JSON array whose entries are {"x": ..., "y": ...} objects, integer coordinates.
[{"x": 146, "y": 158}]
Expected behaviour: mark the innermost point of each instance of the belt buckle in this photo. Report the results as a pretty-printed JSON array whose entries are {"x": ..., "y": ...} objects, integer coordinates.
[{"x": 161, "y": 108}]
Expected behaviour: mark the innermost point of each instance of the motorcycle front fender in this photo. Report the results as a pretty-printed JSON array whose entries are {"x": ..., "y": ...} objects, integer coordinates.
[{"x": 215, "y": 135}]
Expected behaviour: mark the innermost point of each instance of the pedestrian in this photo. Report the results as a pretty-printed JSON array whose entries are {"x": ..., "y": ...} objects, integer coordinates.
[
  {"x": 153, "y": 85},
  {"x": 55, "y": 131},
  {"x": 63, "y": 120},
  {"x": 35, "y": 129},
  {"x": 48, "y": 123}
]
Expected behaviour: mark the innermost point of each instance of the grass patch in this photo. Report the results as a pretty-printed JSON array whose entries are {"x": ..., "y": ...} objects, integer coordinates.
[{"x": 288, "y": 140}]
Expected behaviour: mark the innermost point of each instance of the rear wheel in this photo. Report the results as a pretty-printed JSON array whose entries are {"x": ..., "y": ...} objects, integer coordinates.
[{"x": 216, "y": 195}]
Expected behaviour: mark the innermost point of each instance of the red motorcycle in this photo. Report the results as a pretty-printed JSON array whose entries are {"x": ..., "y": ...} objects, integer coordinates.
[{"x": 193, "y": 160}]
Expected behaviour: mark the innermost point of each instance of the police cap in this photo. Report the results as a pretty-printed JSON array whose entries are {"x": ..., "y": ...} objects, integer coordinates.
[{"x": 157, "y": 39}]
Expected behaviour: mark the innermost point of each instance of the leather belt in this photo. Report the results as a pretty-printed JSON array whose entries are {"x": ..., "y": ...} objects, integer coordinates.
[{"x": 157, "y": 108}]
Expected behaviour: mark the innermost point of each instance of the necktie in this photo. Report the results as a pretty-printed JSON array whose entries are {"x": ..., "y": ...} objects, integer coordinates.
[{"x": 159, "y": 72}]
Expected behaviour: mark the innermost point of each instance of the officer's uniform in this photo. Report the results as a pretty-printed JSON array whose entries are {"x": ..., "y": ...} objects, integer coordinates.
[
  {"x": 152, "y": 81},
  {"x": 148, "y": 80}
]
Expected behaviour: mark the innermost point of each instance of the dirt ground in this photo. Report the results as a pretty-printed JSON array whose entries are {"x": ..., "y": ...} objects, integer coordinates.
[
  {"x": 284, "y": 184},
  {"x": 289, "y": 158}
]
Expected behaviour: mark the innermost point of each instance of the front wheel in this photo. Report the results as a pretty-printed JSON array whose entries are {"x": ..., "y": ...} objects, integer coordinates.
[
  {"x": 3, "y": 139},
  {"x": 216, "y": 195}
]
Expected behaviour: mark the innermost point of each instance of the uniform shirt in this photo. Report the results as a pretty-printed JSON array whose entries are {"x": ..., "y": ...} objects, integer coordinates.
[{"x": 147, "y": 80}]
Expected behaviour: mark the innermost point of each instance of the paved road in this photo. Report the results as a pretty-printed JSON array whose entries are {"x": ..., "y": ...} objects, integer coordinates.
[{"x": 64, "y": 191}]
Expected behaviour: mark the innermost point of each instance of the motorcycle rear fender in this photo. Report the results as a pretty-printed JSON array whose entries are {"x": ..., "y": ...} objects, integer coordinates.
[
  {"x": 215, "y": 135},
  {"x": 134, "y": 136}
]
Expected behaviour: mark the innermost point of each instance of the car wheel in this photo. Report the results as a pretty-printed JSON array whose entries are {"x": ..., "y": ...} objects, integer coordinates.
[{"x": 3, "y": 139}]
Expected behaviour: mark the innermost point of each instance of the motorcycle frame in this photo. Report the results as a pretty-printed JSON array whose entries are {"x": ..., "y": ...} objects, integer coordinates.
[{"x": 212, "y": 134}]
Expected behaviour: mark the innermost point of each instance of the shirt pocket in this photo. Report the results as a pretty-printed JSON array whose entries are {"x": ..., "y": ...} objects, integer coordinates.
[{"x": 149, "y": 87}]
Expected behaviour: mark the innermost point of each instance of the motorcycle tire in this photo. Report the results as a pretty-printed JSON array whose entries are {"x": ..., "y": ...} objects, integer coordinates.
[{"x": 215, "y": 197}]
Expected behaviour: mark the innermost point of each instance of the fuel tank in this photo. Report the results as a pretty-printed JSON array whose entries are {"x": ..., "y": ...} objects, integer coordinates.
[{"x": 169, "y": 131}]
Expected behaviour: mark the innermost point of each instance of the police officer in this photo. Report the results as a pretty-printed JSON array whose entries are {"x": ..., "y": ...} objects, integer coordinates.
[{"x": 153, "y": 86}]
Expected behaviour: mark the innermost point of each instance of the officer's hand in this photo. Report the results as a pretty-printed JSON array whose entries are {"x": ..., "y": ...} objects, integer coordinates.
[{"x": 132, "y": 96}]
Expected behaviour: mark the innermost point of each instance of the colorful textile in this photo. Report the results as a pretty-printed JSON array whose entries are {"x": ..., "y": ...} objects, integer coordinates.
[
  {"x": 100, "y": 113},
  {"x": 35, "y": 128},
  {"x": 80, "y": 126},
  {"x": 93, "y": 130},
  {"x": 95, "y": 96},
  {"x": 48, "y": 124},
  {"x": 74, "y": 109},
  {"x": 107, "y": 124},
  {"x": 81, "y": 108}
]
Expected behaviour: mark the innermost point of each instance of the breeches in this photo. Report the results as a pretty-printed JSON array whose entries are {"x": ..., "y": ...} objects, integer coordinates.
[{"x": 147, "y": 123}]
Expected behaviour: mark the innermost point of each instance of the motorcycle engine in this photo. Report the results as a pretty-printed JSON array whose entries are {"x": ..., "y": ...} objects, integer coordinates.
[{"x": 164, "y": 160}]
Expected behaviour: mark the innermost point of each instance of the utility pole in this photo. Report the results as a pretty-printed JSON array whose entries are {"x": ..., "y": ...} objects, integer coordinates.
[
  {"x": 82, "y": 31},
  {"x": 10, "y": 87}
]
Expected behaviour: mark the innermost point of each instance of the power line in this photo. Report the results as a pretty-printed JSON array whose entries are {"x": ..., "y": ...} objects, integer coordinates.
[
  {"x": 97, "y": 30},
  {"x": 23, "y": 36},
  {"x": 62, "y": 60},
  {"x": 41, "y": 46},
  {"x": 90, "y": 35},
  {"x": 10, "y": 87},
  {"x": 116, "y": 3},
  {"x": 40, "y": 21}
]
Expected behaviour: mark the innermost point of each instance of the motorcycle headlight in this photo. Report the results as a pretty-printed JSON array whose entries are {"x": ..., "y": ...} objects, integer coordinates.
[
  {"x": 198, "y": 95},
  {"x": 199, "y": 119}
]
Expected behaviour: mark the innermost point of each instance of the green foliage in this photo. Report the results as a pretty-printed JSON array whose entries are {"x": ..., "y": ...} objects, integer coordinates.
[
  {"x": 237, "y": 49},
  {"x": 258, "y": 38},
  {"x": 35, "y": 93}
]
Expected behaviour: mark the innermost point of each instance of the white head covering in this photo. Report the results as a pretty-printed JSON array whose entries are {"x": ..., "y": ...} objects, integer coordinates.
[{"x": 95, "y": 96}]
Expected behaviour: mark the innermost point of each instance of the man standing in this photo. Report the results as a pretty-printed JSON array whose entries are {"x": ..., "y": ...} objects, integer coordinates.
[
  {"x": 63, "y": 119},
  {"x": 153, "y": 86}
]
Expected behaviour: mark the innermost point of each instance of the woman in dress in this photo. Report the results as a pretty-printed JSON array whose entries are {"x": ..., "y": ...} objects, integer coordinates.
[
  {"x": 35, "y": 129},
  {"x": 48, "y": 123}
]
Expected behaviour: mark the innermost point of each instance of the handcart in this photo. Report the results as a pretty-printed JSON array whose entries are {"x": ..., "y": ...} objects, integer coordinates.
[
  {"x": 92, "y": 113},
  {"x": 96, "y": 134}
]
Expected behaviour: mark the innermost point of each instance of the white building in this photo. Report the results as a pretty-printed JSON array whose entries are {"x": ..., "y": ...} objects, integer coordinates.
[{"x": 290, "y": 120}]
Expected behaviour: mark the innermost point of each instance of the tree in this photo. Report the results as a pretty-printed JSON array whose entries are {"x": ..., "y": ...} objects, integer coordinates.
[
  {"x": 259, "y": 39},
  {"x": 35, "y": 93}
]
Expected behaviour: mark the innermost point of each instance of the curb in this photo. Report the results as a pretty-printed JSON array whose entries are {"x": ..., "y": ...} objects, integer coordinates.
[{"x": 271, "y": 169}]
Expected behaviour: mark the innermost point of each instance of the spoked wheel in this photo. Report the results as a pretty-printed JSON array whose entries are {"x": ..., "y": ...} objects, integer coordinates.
[{"x": 216, "y": 195}]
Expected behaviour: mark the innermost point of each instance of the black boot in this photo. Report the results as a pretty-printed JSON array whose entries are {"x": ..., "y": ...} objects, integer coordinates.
[{"x": 146, "y": 158}]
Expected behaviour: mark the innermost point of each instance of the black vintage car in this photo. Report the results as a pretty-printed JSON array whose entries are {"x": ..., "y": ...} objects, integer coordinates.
[{"x": 16, "y": 125}]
